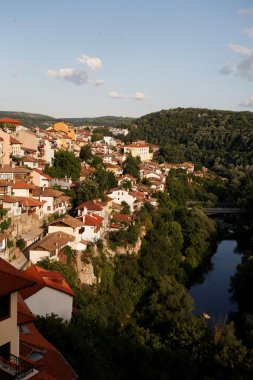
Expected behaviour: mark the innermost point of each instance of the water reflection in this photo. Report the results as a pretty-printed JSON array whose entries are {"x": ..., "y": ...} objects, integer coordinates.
[{"x": 211, "y": 292}]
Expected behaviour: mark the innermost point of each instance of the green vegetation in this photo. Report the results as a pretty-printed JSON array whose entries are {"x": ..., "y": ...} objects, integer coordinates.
[
  {"x": 214, "y": 138},
  {"x": 65, "y": 164},
  {"x": 132, "y": 166}
]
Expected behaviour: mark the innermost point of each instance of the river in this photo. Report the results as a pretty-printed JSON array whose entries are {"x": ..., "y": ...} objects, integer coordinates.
[{"x": 212, "y": 296}]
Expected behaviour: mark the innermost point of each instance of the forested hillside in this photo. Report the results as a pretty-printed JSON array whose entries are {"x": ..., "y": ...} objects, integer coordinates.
[{"x": 212, "y": 138}]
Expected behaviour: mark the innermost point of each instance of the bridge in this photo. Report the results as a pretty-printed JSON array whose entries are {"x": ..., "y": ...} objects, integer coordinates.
[{"x": 222, "y": 210}]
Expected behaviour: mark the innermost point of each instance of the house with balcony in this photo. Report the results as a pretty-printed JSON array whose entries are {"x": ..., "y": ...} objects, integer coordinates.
[
  {"x": 24, "y": 352},
  {"x": 54, "y": 200},
  {"x": 11, "y": 281},
  {"x": 13, "y": 172},
  {"x": 15, "y": 148}
]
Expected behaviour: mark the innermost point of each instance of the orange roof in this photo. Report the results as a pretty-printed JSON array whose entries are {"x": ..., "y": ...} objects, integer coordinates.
[
  {"x": 29, "y": 202},
  {"x": 11, "y": 279},
  {"x": 14, "y": 141},
  {"x": 24, "y": 313},
  {"x": 10, "y": 121},
  {"x": 121, "y": 218},
  {"x": 23, "y": 185},
  {"x": 44, "y": 278},
  {"x": 93, "y": 220},
  {"x": 91, "y": 206},
  {"x": 52, "y": 365}
]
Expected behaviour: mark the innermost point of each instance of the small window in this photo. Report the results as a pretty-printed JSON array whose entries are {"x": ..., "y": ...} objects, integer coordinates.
[{"x": 5, "y": 307}]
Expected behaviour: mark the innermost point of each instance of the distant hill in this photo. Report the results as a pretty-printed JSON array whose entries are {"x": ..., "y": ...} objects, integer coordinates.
[
  {"x": 43, "y": 121},
  {"x": 212, "y": 138},
  {"x": 30, "y": 119},
  {"x": 103, "y": 120}
]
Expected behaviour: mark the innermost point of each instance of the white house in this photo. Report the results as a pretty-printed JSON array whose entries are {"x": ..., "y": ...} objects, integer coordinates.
[
  {"x": 22, "y": 189},
  {"x": 50, "y": 294},
  {"x": 49, "y": 246},
  {"x": 39, "y": 178},
  {"x": 139, "y": 149},
  {"x": 71, "y": 226},
  {"x": 11, "y": 204},
  {"x": 120, "y": 195},
  {"x": 93, "y": 227},
  {"x": 54, "y": 200}
]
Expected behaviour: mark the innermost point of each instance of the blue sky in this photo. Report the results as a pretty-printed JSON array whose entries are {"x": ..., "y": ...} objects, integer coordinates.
[{"x": 77, "y": 58}]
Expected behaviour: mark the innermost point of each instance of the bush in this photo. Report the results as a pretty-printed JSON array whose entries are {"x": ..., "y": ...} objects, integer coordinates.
[{"x": 21, "y": 244}]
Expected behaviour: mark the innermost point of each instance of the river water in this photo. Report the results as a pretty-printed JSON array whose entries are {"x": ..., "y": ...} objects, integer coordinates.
[{"x": 212, "y": 296}]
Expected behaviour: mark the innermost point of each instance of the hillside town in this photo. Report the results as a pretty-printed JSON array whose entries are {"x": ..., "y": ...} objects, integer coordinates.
[{"x": 38, "y": 220}]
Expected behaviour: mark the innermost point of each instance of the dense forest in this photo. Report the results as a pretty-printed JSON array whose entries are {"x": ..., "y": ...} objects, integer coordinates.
[
  {"x": 213, "y": 138},
  {"x": 137, "y": 321}
]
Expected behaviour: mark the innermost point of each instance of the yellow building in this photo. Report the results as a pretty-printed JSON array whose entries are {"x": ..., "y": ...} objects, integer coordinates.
[{"x": 64, "y": 127}]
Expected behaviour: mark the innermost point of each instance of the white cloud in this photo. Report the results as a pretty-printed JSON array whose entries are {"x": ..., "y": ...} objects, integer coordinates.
[
  {"x": 244, "y": 68},
  {"x": 116, "y": 95},
  {"x": 139, "y": 96},
  {"x": 79, "y": 77},
  {"x": 239, "y": 49},
  {"x": 249, "y": 32},
  {"x": 94, "y": 63},
  {"x": 245, "y": 12},
  {"x": 247, "y": 102}
]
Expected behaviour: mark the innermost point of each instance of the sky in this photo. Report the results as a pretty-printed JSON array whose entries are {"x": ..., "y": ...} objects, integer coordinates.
[{"x": 79, "y": 58}]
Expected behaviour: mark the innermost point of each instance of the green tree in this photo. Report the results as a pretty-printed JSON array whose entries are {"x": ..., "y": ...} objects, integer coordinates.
[
  {"x": 65, "y": 164},
  {"x": 87, "y": 190},
  {"x": 131, "y": 166},
  {"x": 86, "y": 153}
]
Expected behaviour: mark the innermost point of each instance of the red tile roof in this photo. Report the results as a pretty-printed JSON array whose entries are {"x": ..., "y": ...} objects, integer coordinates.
[
  {"x": 10, "y": 121},
  {"x": 121, "y": 218},
  {"x": 45, "y": 278},
  {"x": 91, "y": 206},
  {"x": 24, "y": 313},
  {"x": 11, "y": 279},
  {"x": 29, "y": 202},
  {"x": 14, "y": 141},
  {"x": 22, "y": 185},
  {"x": 51, "y": 363},
  {"x": 93, "y": 220},
  {"x": 67, "y": 221}
]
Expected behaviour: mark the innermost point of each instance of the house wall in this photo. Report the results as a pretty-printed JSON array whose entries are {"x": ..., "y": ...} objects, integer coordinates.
[
  {"x": 39, "y": 180},
  {"x": 8, "y": 328},
  {"x": 35, "y": 256},
  {"x": 21, "y": 192},
  {"x": 27, "y": 139},
  {"x": 47, "y": 301},
  {"x": 121, "y": 195},
  {"x": 6, "y": 148}
]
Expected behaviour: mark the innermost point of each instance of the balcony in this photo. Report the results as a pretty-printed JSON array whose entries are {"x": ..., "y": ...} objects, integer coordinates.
[{"x": 12, "y": 367}]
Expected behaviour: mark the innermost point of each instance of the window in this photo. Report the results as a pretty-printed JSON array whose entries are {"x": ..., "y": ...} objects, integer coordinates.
[
  {"x": 5, "y": 307},
  {"x": 5, "y": 350}
]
